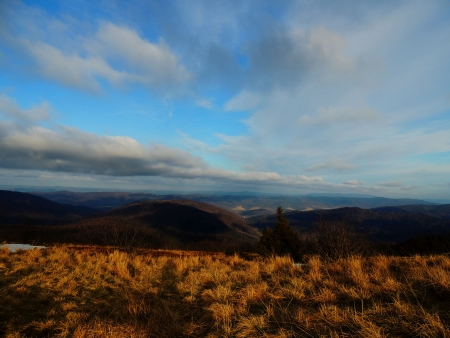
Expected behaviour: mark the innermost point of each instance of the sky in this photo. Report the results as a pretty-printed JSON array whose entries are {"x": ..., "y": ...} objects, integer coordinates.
[{"x": 281, "y": 97}]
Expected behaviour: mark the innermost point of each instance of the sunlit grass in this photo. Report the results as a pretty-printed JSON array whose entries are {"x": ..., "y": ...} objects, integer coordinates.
[{"x": 65, "y": 292}]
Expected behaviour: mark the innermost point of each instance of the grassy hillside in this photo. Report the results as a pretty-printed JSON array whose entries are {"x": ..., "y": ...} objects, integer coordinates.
[{"x": 65, "y": 292}]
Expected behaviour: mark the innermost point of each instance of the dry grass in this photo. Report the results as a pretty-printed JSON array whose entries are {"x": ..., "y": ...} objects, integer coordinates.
[{"x": 61, "y": 292}]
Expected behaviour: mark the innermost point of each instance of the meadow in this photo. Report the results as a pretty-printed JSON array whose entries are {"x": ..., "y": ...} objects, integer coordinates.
[{"x": 64, "y": 291}]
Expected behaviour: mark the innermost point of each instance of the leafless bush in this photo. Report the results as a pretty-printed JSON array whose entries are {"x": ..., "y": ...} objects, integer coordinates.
[
  {"x": 338, "y": 239},
  {"x": 125, "y": 235}
]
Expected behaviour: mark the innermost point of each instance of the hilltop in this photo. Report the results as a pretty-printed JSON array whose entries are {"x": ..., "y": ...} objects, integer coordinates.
[
  {"x": 71, "y": 292},
  {"x": 174, "y": 223}
]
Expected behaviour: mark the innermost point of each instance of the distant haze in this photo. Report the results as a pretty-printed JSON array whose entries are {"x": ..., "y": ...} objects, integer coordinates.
[{"x": 291, "y": 97}]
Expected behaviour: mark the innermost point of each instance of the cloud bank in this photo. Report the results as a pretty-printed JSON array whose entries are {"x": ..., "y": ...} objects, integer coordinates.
[{"x": 239, "y": 93}]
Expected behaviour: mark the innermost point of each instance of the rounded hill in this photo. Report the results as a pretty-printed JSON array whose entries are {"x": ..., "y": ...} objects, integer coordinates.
[
  {"x": 18, "y": 208},
  {"x": 184, "y": 215},
  {"x": 172, "y": 223}
]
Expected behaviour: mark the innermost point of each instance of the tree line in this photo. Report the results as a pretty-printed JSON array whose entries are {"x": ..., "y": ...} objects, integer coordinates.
[{"x": 330, "y": 240}]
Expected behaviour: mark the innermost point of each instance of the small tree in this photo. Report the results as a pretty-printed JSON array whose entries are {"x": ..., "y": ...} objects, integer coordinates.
[{"x": 282, "y": 240}]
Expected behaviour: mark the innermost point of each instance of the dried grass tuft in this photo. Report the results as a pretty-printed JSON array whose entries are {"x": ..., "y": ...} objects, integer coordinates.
[{"x": 61, "y": 292}]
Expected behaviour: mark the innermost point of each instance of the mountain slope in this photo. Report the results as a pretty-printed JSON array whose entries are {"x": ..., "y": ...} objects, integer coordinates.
[
  {"x": 26, "y": 209},
  {"x": 440, "y": 211},
  {"x": 175, "y": 224},
  {"x": 246, "y": 205},
  {"x": 183, "y": 216},
  {"x": 390, "y": 226},
  {"x": 98, "y": 200}
]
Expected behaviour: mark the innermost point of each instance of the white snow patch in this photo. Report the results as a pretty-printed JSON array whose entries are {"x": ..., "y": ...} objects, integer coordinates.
[{"x": 15, "y": 247}]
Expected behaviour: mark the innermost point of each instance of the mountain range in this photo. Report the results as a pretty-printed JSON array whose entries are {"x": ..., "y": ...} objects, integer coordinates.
[
  {"x": 247, "y": 205},
  {"x": 223, "y": 222},
  {"x": 165, "y": 224},
  {"x": 23, "y": 208}
]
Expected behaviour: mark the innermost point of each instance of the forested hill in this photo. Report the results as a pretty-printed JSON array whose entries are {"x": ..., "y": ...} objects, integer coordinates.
[
  {"x": 26, "y": 209},
  {"x": 385, "y": 224},
  {"x": 440, "y": 211},
  {"x": 174, "y": 224}
]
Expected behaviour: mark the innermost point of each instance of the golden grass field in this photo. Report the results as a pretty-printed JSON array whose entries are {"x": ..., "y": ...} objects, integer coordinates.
[{"x": 63, "y": 292}]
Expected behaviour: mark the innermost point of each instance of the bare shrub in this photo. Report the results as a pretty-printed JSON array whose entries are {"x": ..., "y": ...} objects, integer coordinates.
[
  {"x": 126, "y": 235},
  {"x": 338, "y": 239}
]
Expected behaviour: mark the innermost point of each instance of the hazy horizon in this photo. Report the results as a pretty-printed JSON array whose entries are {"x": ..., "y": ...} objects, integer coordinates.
[
  {"x": 295, "y": 97},
  {"x": 57, "y": 189}
]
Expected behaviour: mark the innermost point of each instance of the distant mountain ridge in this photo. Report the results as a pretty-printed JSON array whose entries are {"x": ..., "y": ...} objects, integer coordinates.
[
  {"x": 176, "y": 224},
  {"x": 99, "y": 200},
  {"x": 23, "y": 208},
  {"x": 245, "y": 205},
  {"x": 441, "y": 211},
  {"x": 390, "y": 224},
  {"x": 183, "y": 223}
]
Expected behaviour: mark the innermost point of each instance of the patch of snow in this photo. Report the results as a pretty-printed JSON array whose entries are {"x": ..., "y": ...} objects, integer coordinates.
[
  {"x": 299, "y": 264},
  {"x": 15, "y": 247}
]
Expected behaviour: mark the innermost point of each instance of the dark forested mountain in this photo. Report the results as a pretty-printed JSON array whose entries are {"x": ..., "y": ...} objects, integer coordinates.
[
  {"x": 388, "y": 224},
  {"x": 182, "y": 221},
  {"x": 99, "y": 200},
  {"x": 426, "y": 244},
  {"x": 244, "y": 205},
  {"x": 161, "y": 221},
  {"x": 26, "y": 209},
  {"x": 185, "y": 216},
  {"x": 440, "y": 211},
  {"x": 176, "y": 224}
]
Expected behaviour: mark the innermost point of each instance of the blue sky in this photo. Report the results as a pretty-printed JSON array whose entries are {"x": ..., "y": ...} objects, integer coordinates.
[{"x": 271, "y": 96}]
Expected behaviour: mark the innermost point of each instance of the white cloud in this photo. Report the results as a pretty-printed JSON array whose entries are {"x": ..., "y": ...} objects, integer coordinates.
[
  {"x": 72, "y": 70},
  {"x": 353, "y": 183},
  {"x": 81, "y": 60},
  {"x": 204, "y": 103},
  {"x": 343, "y": 91},
  {"x": 334, "y": 164},
  {"x": 245, "y": 100},
  {"x": 286, "y": 58},
  {"x": 332, "y": 115},
  {"x": 411, "y": 187},
  {"x": 153, "y": 64},
  {"x": 70, "y": 150},
  {"x": 9, "y": 108},
  {"x": 391, "y": 184},
  {"x": 326, "y": 92}
]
